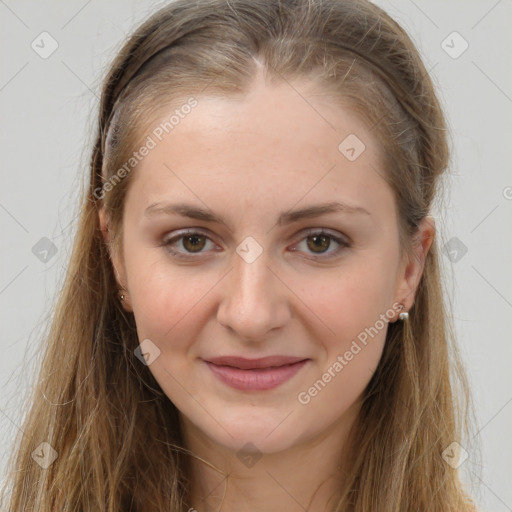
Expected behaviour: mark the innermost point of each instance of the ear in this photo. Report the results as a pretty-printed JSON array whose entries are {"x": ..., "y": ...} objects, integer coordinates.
[
  {"x": 413, "y": 264},
  {"x": 116, "y": 259}
]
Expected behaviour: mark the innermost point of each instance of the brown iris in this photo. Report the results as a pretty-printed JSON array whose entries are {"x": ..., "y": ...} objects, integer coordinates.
[
  {"x": 321, "y": 242},
  {"x": 194, "y": 243}
]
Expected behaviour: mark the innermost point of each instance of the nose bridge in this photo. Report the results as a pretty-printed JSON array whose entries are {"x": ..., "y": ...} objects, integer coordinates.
[{"x": 253, "y": 302}]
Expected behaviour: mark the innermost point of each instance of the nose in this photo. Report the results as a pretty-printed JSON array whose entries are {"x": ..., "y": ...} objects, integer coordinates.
[{"x": 254, "y": 300}]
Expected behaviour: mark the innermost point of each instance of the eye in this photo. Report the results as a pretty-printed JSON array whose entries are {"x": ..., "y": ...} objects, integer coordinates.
[
  {"x": 318, "y": 243},
  {"x": 187, "y": 243}
]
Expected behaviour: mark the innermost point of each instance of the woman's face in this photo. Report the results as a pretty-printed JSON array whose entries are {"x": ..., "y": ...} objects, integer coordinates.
[{"x": 263, "y": 282}]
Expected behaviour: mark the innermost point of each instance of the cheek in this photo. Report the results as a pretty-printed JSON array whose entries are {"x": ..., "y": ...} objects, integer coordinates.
[
  {"x": 168, "y": 302},
  {"x": 356, "y": 307},
  {"x": 351, "y": 298}
]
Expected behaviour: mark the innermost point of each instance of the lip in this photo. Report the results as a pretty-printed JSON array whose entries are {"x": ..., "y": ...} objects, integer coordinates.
[
  {"x": 244, "y": 363},
  {"x": 255, "y": 374}
]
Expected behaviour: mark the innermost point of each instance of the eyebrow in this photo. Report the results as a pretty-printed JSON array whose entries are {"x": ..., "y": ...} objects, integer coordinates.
[{"x": 287, "y": 217}]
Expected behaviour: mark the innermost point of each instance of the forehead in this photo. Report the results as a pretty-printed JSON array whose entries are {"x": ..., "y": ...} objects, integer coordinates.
[{"x": 276, "y": 143}]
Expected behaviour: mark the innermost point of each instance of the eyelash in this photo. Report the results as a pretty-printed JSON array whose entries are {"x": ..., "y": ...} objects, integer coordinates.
[{"x": 342, "y": 242}]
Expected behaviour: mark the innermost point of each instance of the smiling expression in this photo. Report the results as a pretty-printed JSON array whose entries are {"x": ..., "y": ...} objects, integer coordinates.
[{"x": 247, "y": 233}]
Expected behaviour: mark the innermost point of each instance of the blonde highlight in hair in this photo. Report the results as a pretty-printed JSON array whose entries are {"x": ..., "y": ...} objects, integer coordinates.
[{"x": 116, "y": 433}]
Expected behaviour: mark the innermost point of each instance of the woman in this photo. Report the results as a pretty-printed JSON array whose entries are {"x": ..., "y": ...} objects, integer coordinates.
[{"x": 253, "y": 315}]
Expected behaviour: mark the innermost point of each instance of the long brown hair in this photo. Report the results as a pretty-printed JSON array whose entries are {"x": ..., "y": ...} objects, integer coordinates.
[{"x": 115, "y": 432}]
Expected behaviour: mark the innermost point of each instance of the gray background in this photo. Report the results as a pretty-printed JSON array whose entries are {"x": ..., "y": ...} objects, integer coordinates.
[{"x": 48, "y": 108}]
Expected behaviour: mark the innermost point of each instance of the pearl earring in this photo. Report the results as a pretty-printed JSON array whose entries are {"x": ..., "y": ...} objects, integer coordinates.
[{"x": 403, "y": 316}]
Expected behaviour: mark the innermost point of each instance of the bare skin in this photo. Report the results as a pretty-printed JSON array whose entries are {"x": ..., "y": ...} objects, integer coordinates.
[{"x": 248, "y": 160}]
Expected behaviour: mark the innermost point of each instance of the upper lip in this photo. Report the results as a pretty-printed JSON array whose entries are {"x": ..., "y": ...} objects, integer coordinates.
[{"x": 250, "y": 364}]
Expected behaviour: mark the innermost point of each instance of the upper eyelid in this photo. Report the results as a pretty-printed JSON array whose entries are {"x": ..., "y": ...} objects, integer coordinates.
[{"x": 184, "y": 232}]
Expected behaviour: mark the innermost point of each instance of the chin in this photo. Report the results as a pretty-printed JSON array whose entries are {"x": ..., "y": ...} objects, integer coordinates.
[{"x": 268, "y": 433}]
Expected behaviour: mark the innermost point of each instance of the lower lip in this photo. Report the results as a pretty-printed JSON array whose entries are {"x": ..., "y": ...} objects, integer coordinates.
[{"x": 255, "y": 380}]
